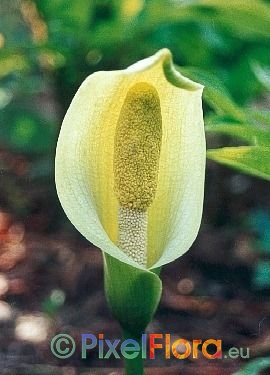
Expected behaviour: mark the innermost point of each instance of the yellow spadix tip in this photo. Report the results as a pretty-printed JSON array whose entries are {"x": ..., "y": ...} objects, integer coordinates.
[{"x": 137, "y": 147}]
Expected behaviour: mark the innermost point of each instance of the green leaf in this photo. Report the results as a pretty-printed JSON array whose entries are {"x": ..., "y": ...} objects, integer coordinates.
[
  {"x": 25, "y": 131},
  {"x": 215, "y": 93},
  {"x": 11, "y": 63},
  {"x": 263, "y": 74},
  {"x": 75, "y": 14},
  {"x": 252, "y": 134},
  {"x": 248, "y": 21},
  {"x": 254, "y": 367},
  {"x": 253, "y": 160},
  {"x": 260, "y": 116},
  {"x": 133, "y": 294}
]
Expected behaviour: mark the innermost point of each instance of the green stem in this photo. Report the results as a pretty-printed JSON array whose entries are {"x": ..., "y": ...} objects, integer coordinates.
[{"x": 135, "y": 365}]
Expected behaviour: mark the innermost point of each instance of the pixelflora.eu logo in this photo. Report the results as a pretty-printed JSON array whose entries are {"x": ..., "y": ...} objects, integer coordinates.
[{"x": 63, "y": 346}]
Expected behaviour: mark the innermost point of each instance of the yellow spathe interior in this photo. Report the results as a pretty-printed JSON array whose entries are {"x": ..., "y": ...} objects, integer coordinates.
[{"x": 85, "y": 153}]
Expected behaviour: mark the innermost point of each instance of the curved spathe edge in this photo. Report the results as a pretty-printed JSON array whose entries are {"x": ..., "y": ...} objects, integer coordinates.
[{"x": 173, "y": 76}]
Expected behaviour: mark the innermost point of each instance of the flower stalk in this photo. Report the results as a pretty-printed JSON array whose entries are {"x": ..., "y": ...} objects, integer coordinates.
[{"x": 134, "y": 365}]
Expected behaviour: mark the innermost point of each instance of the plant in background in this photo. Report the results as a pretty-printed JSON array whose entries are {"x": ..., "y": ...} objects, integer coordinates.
[
  {"x": 46, "y": 50},
  {"x": 130, "y": 164}
]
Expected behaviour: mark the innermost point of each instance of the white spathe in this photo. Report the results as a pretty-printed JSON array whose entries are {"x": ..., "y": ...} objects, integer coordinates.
[{"x": 84, "y": 160}]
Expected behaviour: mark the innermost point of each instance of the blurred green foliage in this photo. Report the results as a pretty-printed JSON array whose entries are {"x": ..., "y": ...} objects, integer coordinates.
[
  {"x": 255, "y": 367},
  {"x": 48, "y": 47}
]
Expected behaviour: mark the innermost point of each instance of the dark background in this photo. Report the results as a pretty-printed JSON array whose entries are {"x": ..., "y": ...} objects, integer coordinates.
[{"x": 51, "y": 279}]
